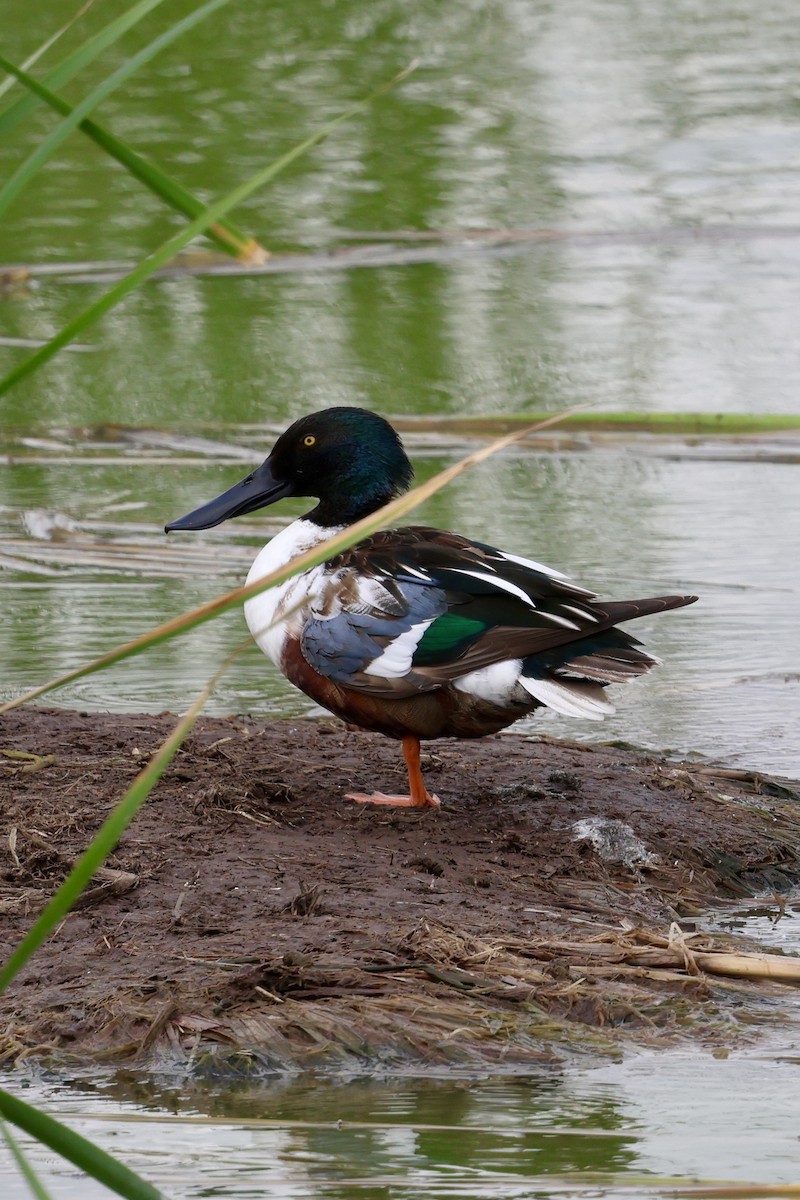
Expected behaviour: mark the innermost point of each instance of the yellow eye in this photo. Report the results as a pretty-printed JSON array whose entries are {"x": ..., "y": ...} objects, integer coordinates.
[{"x": 309, "y": 439}]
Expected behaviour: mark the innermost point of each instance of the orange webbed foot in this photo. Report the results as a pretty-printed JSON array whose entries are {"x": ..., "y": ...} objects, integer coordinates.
[
  {"x": 420, "y": 797},
  {"x": 426, "y": 801}
]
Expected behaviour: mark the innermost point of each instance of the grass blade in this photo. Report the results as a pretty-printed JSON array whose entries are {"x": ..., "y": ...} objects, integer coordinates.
[
  {"x": 663, "y": 422},
  {"x": 224, "y": 233},
  {"x": 168, "y": 249},
  {"x": 341, "y": 541},
  {"x": 76, "y": 61},
  {"x": 25, "y": 1169},
  {"x": 32, "y": 59},
  {"x": 47, "y": 147},
  {"x": 76, "y": 1149}
]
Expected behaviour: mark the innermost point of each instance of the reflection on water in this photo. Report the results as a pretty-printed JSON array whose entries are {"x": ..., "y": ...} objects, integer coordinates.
[
  {"x": 647, "y": 123},
  {"x": 774, "y": 922},
  {"x": 595, "y": 1132}
]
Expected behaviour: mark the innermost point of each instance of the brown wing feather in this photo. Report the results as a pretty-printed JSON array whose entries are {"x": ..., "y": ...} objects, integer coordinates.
[{"x": 508, "y": 642}]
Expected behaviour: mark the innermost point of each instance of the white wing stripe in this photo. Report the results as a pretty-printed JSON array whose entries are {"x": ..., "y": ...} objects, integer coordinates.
[
  {"x": 535, "y": 566},
  {"x": 406, "y": 568},
  {"x": 506, "y": 585},
  {"x": 548, "y": 616},
  {"x": 583, "y": 613},
  {"x": 395, "y": 662},
  {"x": 498, "y": 582}
]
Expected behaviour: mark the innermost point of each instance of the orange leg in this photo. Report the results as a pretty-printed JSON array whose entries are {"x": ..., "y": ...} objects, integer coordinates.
[{"x": 420, "y": 797}]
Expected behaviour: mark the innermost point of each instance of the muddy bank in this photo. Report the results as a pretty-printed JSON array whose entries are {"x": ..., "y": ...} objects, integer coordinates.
[{"x": 253, "y": 918}]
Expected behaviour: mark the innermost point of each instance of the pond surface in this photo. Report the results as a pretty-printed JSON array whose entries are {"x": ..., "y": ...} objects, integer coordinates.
[
  {"x": 88, "y": 566},
  {"x": 660, "y": 143},
  {"x": 663, "y": 149},
  {"x": 632, "y": 1128}
]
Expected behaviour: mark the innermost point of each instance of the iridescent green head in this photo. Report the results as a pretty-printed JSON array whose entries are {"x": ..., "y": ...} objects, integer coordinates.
[{"x": 350, "y": 459}]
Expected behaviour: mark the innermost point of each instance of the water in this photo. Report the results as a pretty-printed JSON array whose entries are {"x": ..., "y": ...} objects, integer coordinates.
[
  {"x": 661, "y": 143},
  {"x": 621, "y": 1129},
  {"x": 88, "y": 566},
  {"x": 669, "y": 166},
  {"x": 673, "y": 162}
]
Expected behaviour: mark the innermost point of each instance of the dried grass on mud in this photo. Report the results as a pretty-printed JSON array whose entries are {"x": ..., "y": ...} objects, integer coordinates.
[{"x": 252, "y": 918}]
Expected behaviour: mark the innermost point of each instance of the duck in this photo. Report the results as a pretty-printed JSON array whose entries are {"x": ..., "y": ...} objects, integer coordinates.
[{"x": 417, "y": 633}]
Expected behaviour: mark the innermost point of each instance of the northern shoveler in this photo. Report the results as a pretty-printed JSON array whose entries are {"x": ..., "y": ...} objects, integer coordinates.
[{"x": 416, "y": 632}]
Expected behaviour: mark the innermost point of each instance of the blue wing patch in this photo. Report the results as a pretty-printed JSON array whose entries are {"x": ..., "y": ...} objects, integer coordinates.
[{"x": 342, "y": 646}]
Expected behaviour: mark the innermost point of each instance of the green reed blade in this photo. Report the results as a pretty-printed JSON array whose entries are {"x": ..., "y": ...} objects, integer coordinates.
[
  {"x": 25, "y": 1169},
  {"x": 679, "y": 423},
  {"x": 76, "y": 61},
  {"x": 47, "y": 147},
  {"x": 32, "y": 59},
  {"x": 76, "y": 1149},
  {"x": 167, "y": 249},
  {"x": 387, "y": 515},
  {"x": 231, "y": 239}
]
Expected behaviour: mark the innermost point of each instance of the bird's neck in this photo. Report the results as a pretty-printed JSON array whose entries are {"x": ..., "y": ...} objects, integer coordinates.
[
  {"x": 346, "y": 505},
  {"x": 295, "y": 539}
]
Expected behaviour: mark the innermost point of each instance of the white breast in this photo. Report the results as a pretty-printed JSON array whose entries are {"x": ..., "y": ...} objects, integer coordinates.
[{"x": 264, "y": 610}]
